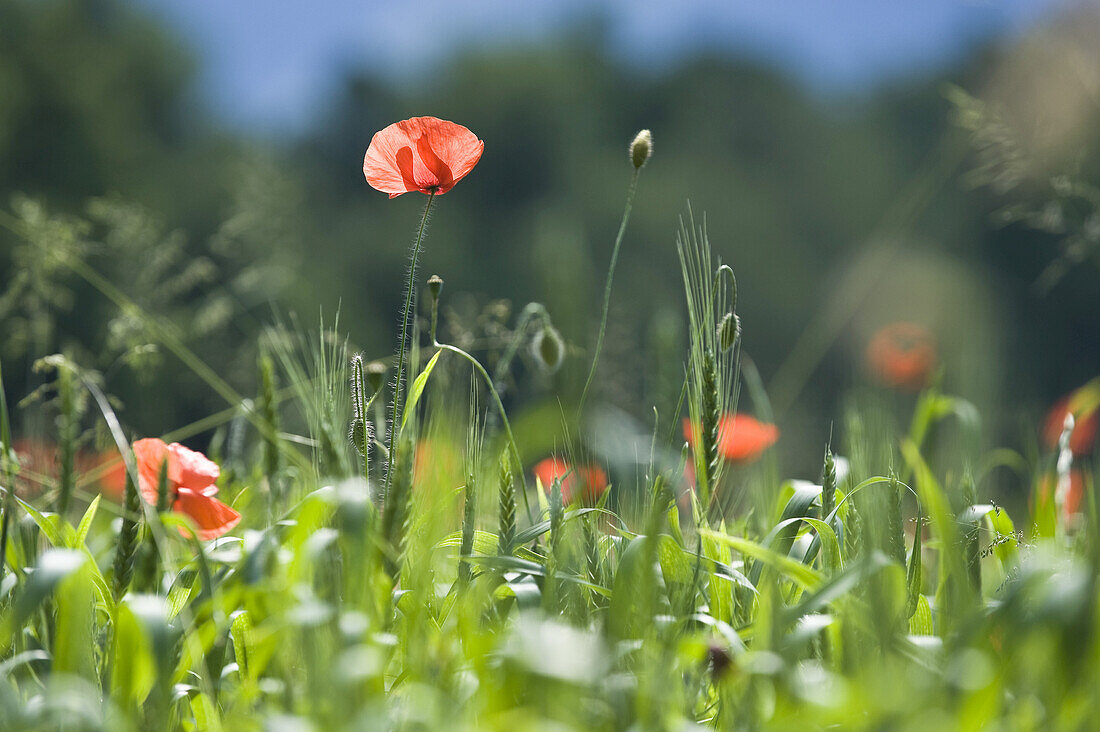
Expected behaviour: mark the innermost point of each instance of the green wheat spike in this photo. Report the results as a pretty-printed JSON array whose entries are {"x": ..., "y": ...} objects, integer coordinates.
[
  {"x": 396, "y": 514},
  {"x": 127, "y": 539},
  {"x": 507, "y": 530},
  {"x": 711, "y": 417},
  {"x": 272, "y": 458},
  {"x": 828, "y": 485},
  {"x": 592, "y": 549}
]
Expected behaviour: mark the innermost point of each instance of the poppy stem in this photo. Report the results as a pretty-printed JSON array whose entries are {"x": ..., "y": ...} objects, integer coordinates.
[
  {"x": 397, "y": 406},
  {"x": 607, "y": 287}
]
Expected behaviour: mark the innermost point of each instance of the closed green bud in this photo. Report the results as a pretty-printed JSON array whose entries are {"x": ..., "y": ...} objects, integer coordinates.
[
  {"x": 729, "y": 331},
  {"x": 435, "y": 286},
  {"x": 641, "y": 148},
  {"x": 548, "y": 348},
  {"x": 358, "y": 434},
  {"x": 376, "y": 375}
]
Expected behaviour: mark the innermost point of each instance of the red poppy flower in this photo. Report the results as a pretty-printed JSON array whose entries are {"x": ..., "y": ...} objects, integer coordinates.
[
  {"x": 191, "y": 479},
  {"x": 423, "y": 154},
  {"x": 1084, "y": 425},
  {"x": 741, "y": 437},
  {"x": 584, "y": 482},
  {"x": 902, "y": 355}
]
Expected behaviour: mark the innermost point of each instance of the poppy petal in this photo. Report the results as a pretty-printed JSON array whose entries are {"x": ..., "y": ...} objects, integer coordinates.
[
  {"x": 422, "y": 153},
  {"x": 454, "y": 145},
  {"x": 742, "y": 438},
  {"x": 212, "y": 517},
  {"x": 191, "y": 469},
  {"x": 150, "y": 454},
  {"x": 388, "y": 164}
]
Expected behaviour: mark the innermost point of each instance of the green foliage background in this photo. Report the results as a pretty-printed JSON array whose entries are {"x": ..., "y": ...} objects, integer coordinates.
[{"x": 839, "y": 215}]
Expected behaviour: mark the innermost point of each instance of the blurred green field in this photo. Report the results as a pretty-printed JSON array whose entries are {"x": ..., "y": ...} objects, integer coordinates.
[{"x": 789, "y": 424}]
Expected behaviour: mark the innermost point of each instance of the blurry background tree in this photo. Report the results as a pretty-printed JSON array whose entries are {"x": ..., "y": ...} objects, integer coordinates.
[{"x": 839, "y": 215}]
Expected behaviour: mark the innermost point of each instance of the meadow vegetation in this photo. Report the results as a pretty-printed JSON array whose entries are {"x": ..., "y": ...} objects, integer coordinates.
[
  {"x": 389, "y": 550},
  {"x": 783, "y": 416}
]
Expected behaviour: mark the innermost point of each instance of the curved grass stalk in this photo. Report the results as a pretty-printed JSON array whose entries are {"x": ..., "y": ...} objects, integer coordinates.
[{"x": 503, "y": 416}]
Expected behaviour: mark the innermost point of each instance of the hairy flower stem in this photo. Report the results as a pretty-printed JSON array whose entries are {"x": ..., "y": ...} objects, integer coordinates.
[
  {"x": 396, "y": 407},
  {"x": 607, "y": 288}
]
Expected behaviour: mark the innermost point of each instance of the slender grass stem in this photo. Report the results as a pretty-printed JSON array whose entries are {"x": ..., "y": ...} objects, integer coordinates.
[
  {"x": 397, "y": 406},
  {"x": 503, "y": 417},
  {"x": 607, "y": 287}
]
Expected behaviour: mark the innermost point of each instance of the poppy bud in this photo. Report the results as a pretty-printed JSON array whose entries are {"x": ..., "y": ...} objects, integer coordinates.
[
  {"x": 435, "y": 286},
  {"x": 358, "y": 434},
  {"x": 729, "y": 331},
  {"x": 548, "y": 348},
  {"x": 641, "y": 148},
  {"x": 376, "y": 375}
]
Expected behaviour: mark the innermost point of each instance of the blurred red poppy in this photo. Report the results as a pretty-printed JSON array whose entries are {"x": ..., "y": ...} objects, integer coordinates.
[
  {"x": 110, "y": 471},
  {"x": 1071, "y": 502},
  {"x": 741, "y": 437},
  {"x": 437, "y": 461},
  {"x": 902, "y": 355},
  {"x": 423, "y": 154},
  {"x": 581, "y": 482},
  {"x": 191, "y": 479},
  {"x": 38, "y": 464},
  {"x": 1084, "y": 426}
]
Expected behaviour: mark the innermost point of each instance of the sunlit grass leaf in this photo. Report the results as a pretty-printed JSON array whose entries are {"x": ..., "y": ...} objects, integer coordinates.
[
  {"x": 913, "y": 573},
  {"x": 53, "y": 566},
  {"x": 56, "y": 529},
  {"x": 920, "y": 622},
  {"x": 417, "y": 388},
  {"x": 86, "y": 522},
  {"x": 841, "y": 584},
  {"x": 797, "y": 572},
  {"x": 74, "y": 647},
  {"x": 133, "y": 671}
]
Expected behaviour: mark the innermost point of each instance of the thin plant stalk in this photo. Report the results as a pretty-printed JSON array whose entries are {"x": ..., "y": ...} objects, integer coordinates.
[
  {"x": 405, "y": 312},
  {"x": 503, "y": 416},
  {"x": 607, "y": 287}
]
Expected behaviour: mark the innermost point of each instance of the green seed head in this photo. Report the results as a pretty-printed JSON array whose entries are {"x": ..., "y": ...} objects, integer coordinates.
[{"x": 358, "y": 434}]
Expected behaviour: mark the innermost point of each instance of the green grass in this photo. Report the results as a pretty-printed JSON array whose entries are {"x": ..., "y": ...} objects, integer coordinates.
[{"x": 369, "y": 584}]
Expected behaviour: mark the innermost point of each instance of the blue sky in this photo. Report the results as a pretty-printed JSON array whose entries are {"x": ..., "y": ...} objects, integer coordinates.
[{"x": 271, "y": 64}]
